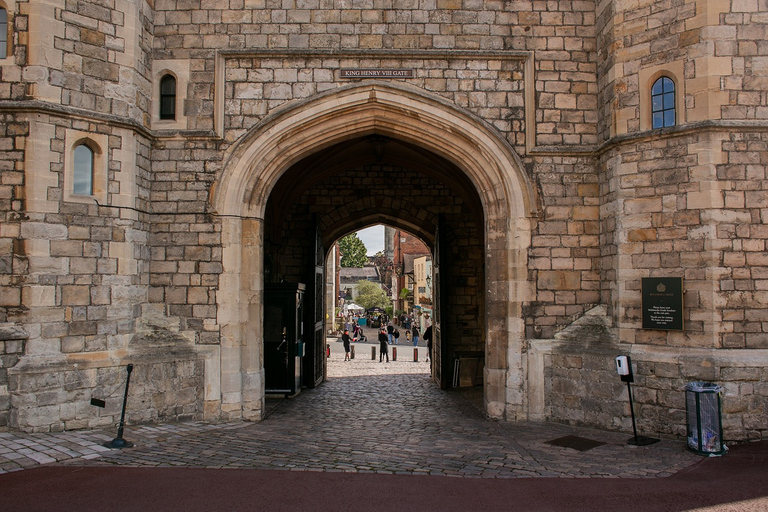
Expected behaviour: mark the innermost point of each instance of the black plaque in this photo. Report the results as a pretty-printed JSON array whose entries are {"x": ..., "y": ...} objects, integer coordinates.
[{"x": 663, "y": 303}]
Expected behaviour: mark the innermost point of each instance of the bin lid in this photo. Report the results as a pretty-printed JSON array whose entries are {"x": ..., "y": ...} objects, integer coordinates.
[{"x": 704, "y": 387}]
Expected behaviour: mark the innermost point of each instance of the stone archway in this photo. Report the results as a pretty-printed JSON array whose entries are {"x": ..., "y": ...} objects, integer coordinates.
[{"x": 258, "y": 160}]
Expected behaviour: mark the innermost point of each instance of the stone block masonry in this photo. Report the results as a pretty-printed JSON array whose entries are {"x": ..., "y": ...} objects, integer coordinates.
[
  {"x": 12, "y": 341},
  {"x": 583, "y": 389},
  {"x": 55, "y": 399},
  {"x": 563, "y": 87}
]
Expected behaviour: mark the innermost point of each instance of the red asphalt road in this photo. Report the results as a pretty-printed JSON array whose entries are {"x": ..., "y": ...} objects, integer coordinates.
[{"x": 737, "y": 481}]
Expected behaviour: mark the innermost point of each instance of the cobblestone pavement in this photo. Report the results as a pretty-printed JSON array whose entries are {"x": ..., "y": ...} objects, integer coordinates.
[{"x": 369, "y": 417}]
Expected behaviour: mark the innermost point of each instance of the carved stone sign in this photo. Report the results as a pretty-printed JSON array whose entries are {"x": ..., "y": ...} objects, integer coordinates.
[
  {"x": 376, "y": 73},
  {"x": 663, "y": 303}
]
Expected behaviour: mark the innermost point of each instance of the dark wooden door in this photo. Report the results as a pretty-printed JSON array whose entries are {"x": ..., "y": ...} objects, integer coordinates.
[
  {"x": 318, "y": 332},
  {"x": 440, "y": 365},
  {"x": 283, "y": 328}
]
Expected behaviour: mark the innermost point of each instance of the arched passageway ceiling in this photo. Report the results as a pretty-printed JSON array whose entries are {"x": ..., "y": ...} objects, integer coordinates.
[
  {"x": 352, "y": 224},
  {"x": 321, "y": 168},
  {"x": 397, "y": 111}
]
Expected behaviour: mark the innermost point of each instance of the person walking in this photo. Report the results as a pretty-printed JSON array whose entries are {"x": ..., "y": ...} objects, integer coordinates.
[
  {"x": 396, "y": 335},
  {"x": 390, "y": 332},
  {"x": 383, "y": 349},
  {"x": 428, "y": 337},
  {"x": 345, "y": 341},
  {"x": 362, "y": 336},
  {"x": 415, "y": 334}
]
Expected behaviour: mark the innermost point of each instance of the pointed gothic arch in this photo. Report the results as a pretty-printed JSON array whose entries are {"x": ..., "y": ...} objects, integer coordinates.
[{"x": 257, "y": 161}]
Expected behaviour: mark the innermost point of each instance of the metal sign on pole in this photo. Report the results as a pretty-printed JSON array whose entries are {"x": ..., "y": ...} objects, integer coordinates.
[{"x": 624, "y": 369}]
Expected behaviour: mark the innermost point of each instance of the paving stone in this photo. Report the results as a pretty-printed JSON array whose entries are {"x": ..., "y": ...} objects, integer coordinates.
[{"x": 367, "y": 418}]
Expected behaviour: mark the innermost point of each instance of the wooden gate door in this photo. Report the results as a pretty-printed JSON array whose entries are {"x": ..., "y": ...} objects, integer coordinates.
[
  {"x": 440, "y": 364},
  {"x": 317, "y": 370}
]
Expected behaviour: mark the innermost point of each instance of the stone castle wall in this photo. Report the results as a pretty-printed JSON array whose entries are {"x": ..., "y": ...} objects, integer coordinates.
[{"x": 565, "y": 83}]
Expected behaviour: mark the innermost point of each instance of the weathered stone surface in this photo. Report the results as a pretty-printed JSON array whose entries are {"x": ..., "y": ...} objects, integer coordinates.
[{"x": 614, "y": 200}]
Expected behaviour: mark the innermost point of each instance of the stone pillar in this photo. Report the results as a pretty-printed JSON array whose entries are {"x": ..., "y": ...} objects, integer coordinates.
[
  {"x": 252, "y": 297},
  {"x": 229, "y": 318}
]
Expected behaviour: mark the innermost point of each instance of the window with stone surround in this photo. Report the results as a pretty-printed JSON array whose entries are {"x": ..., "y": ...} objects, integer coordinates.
[
  {"x": 85, "y": 167},
  {"x": 663, "y": 103},
  {"x": 168, "y": 98},
  {"x": 169, "y": 86},
  {"x": 666, "y": 79}
]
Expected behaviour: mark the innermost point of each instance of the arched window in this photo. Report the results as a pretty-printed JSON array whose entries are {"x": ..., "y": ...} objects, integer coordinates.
[
  {"x": 82, "y": 182},
  {"x": 663, "y": 103},
  {"x": 168, "y": 97},
  {"x": 3, "y": 33}
]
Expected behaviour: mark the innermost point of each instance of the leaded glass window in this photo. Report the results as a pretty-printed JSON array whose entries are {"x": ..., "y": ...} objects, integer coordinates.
[
  {"x": 663, "y": 102},
  {"x": 3, "y": 33},
  {"x": 168, "y": 97}
]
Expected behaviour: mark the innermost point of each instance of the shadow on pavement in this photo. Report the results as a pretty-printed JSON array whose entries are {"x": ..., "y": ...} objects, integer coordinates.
[{"x": 735, "y": 482}]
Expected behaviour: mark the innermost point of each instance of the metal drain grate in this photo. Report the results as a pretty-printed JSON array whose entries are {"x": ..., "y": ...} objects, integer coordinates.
[{"x": 577, "y": 443}]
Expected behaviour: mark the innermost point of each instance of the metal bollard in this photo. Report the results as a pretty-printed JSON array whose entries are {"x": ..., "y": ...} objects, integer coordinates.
[
  {"x": 119, "y": 442},
  {"x": 394, "y": 353},
  {"x": 373, "y": 353},
  {"x": 415, "y": 355},
  {"x": 328, "y": 349},
  {"x": 352, "y": 352}
]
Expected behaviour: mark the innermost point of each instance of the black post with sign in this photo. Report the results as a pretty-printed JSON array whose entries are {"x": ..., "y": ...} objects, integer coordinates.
[{"x": 624, "y": 369}]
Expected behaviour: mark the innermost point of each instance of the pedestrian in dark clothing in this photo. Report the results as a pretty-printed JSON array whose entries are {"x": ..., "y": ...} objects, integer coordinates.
[
  {"x": 345, "y": 341},
  {"x": 390, "y": 332},
  {"x": 383, "y": 349},
  {"x": 396, "y": 334},
  {"x": 415, "y": 334},
  {"x": 428, "y": 336}
]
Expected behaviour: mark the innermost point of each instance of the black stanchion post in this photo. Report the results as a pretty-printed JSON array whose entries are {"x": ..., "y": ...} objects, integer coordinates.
[
  {"x": 394, "y": 353},
  {"x": 119, "y": 442},
  {"x": 373, "y": 353},
  {"x": 352, "y": 353},
  {"x": 415, "y": 355},
  {"x": 632, "y": 412},
  {"x": 624, "y": 369}
]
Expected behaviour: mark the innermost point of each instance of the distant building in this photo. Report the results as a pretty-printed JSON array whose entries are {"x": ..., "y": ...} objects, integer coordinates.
[
  {"x": 351, "y": 277},
  {"x": 406, "y": 247},
  {"x": 422, "y": 270}
]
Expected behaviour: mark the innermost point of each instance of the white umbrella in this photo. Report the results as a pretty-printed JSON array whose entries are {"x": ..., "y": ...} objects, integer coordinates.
[{"x": 353, "y": 307}]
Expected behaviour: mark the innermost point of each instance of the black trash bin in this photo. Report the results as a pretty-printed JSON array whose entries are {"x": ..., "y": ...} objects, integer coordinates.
[{"x": 705, "y": 422}]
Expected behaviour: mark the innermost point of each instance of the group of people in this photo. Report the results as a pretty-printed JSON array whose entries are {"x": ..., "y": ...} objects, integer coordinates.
[
  {"x": 387, "y": 336},
  {"x": 393, "y": 335}
]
